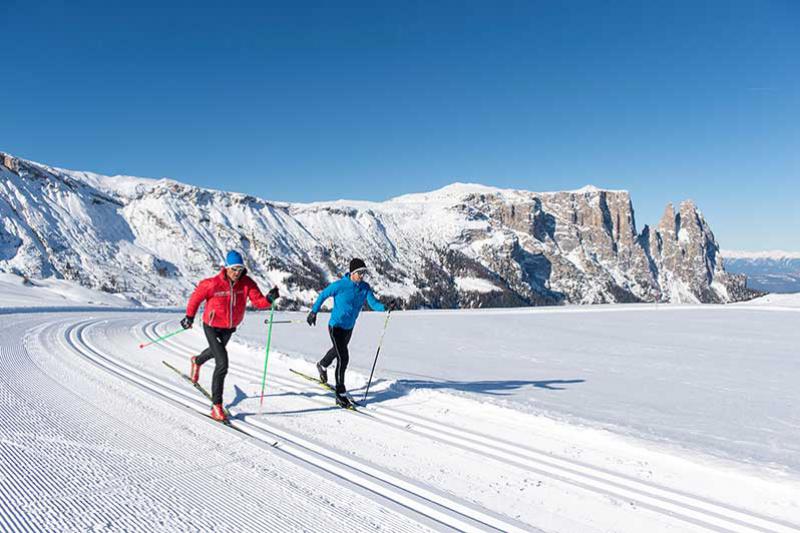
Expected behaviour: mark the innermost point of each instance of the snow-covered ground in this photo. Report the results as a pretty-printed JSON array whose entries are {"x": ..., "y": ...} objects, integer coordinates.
[
  {"x": 608, "y": 418},
  {"x": 774, "y": 300},
  {"x": 18, "y": 291}
]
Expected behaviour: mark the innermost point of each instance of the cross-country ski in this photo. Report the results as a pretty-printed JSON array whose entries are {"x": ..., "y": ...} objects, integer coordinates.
[
  {"x": 352, "y": 403},
  {"x": 226, "y": 419}
]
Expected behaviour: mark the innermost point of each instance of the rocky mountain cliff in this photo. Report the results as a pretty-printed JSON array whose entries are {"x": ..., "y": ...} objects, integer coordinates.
[{"x": 461, "y": 246}]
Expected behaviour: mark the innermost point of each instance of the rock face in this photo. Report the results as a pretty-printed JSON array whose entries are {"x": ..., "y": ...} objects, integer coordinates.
[
  {"x": 686, "y": 256},
  {"x": 461, "y": 246}
]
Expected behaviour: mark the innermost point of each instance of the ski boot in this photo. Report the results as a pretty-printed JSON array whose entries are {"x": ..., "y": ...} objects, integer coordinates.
[
  {"x": 323, "y": 373},
  {"x": 218, "y": 413},
  {"x": 344, "y": 402},
  {"x": 194, "y": 372}
]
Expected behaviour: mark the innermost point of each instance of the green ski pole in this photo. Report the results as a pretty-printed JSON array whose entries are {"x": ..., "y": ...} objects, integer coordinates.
[
  {"x": 266, "y": 356},
  {"x": 168, "y": 335}
]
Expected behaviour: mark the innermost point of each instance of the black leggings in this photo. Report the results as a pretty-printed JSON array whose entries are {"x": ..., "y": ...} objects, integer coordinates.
[
  {"x": 217, "y": 340},
  {"x": 340, "y": 339}
]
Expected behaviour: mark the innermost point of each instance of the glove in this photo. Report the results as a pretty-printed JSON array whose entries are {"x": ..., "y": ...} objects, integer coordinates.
[
  {"x": 312, "y": 318},
  {"x": 187, "y": 321},
  {"x": 393, "y": 305},
  {"x": 273, "y": 295}
]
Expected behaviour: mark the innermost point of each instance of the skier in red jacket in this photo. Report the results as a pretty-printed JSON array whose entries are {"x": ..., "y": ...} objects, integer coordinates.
[{"x": 225, "y": 296}]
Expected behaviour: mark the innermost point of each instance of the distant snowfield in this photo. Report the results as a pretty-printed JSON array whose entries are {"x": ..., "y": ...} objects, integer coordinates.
[
  {"x": 774, "y": 300},
  {"x": 771, "y": 254},
  {"x": 475, "y": 284},
  {"x": 16, "y": 291},
  {"x": 608, "y": 418}
]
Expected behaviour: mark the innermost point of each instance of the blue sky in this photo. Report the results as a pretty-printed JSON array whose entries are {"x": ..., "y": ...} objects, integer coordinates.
[{"x": 304, "y": 101}]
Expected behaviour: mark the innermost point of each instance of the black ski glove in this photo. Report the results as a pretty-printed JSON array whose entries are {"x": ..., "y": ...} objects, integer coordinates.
[
  {"x": 312, "y": 318},
  {"x": 187, "y": 321},
  {"x": 273, "y": 295},
  {"x": 393, "y": 305}
]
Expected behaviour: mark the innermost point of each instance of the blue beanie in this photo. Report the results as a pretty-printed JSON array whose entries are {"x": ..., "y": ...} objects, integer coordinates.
[{"x": 234, "y": 258}]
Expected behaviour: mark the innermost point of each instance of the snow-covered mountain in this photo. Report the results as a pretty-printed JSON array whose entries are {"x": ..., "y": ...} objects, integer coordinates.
[
  {"x": 464, "y": 245},
  {"x": 770, "y": 271}
]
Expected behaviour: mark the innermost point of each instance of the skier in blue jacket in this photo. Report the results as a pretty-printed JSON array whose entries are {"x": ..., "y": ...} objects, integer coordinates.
[{"x": 349, "y": 295}]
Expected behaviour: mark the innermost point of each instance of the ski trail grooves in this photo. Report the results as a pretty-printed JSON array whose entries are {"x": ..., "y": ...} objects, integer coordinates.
[
  {"x": 442, "y": 509},
  {"x": 689, "y": 508},
  {"x": 243, "y": 520},
  {"x": 71, "y": 463}
]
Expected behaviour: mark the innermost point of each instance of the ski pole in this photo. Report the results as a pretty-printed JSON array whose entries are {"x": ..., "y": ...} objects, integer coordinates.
[
  {"x": 385, "y": 323},
  {"x": 266, "y": 356},
  {"x": 168, "y": 335},
  {"x": 268, "y": 321}
]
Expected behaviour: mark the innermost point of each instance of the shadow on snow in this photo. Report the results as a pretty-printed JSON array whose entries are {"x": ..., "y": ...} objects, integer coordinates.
[{"x": 402, "y": 387}]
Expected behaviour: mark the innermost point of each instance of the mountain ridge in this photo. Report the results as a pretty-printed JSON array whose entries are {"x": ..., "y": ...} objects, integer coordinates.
[
  {"x": 775, "y": 271},
  {"x": 763, "y": 254},
  {"x": 463, "y": 245}
]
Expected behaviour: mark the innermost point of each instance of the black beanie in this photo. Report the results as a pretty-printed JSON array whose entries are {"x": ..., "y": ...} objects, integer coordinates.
[{"x": 357, "y": 263}]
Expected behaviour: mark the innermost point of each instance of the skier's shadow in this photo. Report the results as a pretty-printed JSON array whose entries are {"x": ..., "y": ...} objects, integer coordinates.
[
  {"x": 242, "y": 416},
  {"x": 401, "y": 387},
  {"x": 242, "y": 395}
]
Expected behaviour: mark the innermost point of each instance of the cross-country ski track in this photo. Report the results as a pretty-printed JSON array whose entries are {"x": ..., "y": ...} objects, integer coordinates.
[{"x": 96, "y": 434}]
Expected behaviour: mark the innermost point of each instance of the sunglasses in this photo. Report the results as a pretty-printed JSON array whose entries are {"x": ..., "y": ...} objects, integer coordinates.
[
  {"x": 236, "y": 269},
  {"x": 360, "y": 271}
]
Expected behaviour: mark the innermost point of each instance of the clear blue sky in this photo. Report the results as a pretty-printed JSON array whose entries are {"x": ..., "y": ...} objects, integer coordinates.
[{"x": 310, "y": 101}]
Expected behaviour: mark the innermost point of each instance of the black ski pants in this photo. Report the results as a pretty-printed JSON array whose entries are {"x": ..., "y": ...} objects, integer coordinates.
[
  {"x": 340, "y": 339},
  {"x": 217, "y": 340}
]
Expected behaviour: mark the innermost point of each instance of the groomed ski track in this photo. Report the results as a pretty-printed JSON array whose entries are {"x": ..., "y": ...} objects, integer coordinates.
[{"x": 146, "y": 457}]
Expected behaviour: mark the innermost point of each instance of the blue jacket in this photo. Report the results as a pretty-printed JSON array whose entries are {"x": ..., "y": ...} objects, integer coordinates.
[{"x": 348, "y": 299}]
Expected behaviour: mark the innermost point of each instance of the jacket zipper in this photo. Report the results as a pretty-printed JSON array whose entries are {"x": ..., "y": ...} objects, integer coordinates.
[{"x": 233, "y": 299}]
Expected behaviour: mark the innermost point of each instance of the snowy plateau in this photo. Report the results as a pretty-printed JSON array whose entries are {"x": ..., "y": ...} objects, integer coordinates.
[
  {"x": 643, "y": 417},
  {"x": 621, "y": 418}
]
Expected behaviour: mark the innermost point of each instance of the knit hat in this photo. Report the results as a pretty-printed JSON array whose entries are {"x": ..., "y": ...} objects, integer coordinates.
[
  {"x": 357, "y": 263},
  {"x": 233, "y": 259}
]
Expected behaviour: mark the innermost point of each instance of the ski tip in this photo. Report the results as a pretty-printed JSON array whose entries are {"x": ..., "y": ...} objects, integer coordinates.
[{"x": 141, "y": 346}]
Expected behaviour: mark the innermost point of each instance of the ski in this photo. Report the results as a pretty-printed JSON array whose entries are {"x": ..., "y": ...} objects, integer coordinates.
[
  {"x": 206, "y": 394},
  {"x": 329, "y": 389},
  {"x": 187, "y": 378},
  {"x": 315, "y": 380},
  {"x": 226, "y": 423}
]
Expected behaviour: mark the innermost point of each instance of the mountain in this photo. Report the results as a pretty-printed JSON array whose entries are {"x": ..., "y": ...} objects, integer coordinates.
[
  {"x": 773, "y": 271},
  {"x": 465, "y": 245}
]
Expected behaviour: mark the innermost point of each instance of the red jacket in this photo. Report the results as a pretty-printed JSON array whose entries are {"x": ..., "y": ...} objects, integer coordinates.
[{"x": 225, "y": 301}]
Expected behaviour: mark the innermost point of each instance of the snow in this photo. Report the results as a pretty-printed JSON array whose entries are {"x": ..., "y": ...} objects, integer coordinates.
[
  {"x": 610, "y": 418},
  {"x": 475, "y": 284},
  {"x": 449, "y": 193},
  {"x": 455, "y": 192},
  {"x": 680, "y": 292},
  {"x": 770, "y": 254},
  {"x": 791, "y": 300},
  {"x": 16, "y": 291},
  {"x": 127, "y": 186},
  {"x": 153, "y": 239},
  {"x": 590, "y": 189}
]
